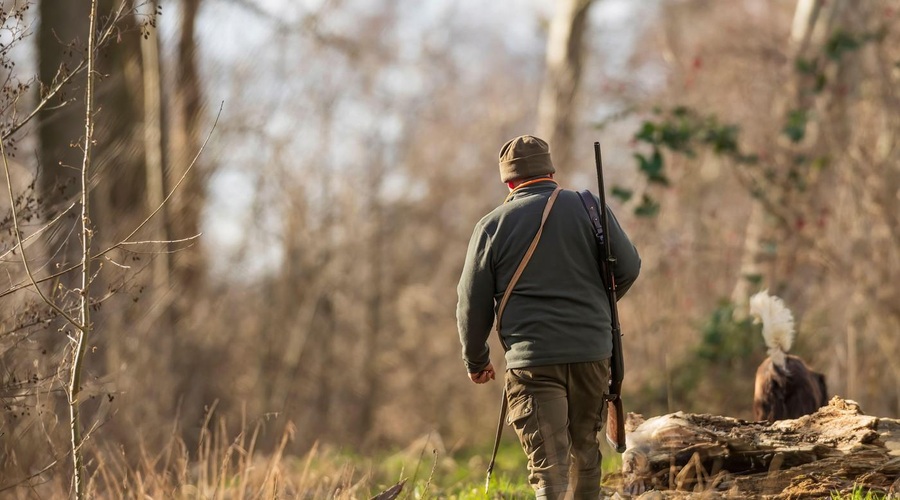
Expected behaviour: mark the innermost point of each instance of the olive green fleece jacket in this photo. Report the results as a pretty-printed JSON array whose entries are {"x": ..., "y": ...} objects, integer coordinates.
[{"x": 559, "y": 310}]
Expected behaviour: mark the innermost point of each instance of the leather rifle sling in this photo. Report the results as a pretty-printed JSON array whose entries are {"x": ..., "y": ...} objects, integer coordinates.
[{"x": 503, "y": 301}]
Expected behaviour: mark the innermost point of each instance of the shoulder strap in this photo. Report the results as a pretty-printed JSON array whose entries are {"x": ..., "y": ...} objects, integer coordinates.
[
  {"x": 525, "y": 259},
  {"x": 593, "y": 211},
  {"x": 590, "y": 204},
  {"x": 506, "y": 295}
]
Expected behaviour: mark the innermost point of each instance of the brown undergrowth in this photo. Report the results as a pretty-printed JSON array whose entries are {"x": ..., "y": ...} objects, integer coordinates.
[{"x": 222, "y": 467}]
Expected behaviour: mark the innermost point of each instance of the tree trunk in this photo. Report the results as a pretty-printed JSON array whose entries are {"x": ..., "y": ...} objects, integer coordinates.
[
  {"x": 187, "y": 273},
  {"x": 187, "y": 106},
  {"x": 557, "y": 107},
  {"x": 812, "y": 21},
  {"x": 375, "y": 303},
  {"x": 61, "y": 24},
  {"x": 118, "y": 181},
  {"x": 153, "y": 153}
]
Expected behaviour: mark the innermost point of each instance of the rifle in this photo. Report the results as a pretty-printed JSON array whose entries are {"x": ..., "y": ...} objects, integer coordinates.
[{"x": 615, "y": 425}]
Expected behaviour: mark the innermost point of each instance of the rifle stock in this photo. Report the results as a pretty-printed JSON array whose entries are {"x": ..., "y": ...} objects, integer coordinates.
[
  {"x": 615, "y": 424},
  {"x": 615, "y": 421}
]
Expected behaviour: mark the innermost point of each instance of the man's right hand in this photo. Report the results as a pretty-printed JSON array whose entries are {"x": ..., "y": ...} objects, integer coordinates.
[{"x": 484, "y": 376}]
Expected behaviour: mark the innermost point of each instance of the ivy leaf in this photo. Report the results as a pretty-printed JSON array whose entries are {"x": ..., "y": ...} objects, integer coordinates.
[
  {"x": 723, "y": 138},
  {"x": 821, "y": 80},
  {"x": 754, "y": 279},
  {"x": 652, "y": 167},
  {"x": 795, "y": 126},
  {"x": 621, "y": 193},
  {"x": 647, "y": 133},
  {"x": 681, "y": 111},
  {"x": 840, "y": 42},
  {"x": 806, "y": 66},
  {"x": 648, "y": 207},
  {"x": 677, "y": 135}
]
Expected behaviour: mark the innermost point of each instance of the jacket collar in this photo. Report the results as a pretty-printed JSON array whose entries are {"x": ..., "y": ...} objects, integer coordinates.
[{"x": 531, "y": 187}]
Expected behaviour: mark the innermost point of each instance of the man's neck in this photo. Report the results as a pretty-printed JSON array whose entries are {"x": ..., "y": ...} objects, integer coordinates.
[
  {"x": 513, "y": 184},
  {"x": 526, "y": 183}
]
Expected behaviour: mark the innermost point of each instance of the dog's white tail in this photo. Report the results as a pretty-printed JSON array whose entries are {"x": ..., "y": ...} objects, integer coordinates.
[{"x": 777, "y": 324}]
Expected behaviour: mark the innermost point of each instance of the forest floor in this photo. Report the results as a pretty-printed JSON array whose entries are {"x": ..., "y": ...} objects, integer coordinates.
[{"x": 836, "y": 452}]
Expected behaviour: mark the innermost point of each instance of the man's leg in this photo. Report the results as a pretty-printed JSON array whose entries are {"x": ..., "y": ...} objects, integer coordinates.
[
  {"x": 588, "y": 384},
  {"x": 538, "y": 410}
]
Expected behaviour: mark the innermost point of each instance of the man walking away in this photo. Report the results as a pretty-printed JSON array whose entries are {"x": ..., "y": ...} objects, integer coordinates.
[{"x": 555, "y": 322}]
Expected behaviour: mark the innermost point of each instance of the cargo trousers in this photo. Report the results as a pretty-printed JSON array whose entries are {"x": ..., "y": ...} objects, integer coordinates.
[{"x": 557, "y": 412}]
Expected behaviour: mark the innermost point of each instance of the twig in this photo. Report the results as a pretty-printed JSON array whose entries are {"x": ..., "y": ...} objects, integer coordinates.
[
  {"x": 177, "y": 184},
  {"x": 56, "y": 88},
  {"x": 149, "y": 242},
  {"x": 15, "y": 219},
  {"x": 29, "y": 478},
  {"x": 124, "y": 241},
  {"x": 42, "y": 229}
]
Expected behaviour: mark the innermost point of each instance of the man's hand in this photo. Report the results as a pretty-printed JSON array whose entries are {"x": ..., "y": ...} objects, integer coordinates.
[{"x": 483, "y": 376}]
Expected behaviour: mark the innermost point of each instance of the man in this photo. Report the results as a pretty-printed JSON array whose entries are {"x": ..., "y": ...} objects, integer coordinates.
[{"x": 556, "y": 325}]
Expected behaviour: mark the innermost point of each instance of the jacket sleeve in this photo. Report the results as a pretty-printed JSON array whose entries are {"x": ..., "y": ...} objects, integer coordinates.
[
  {"x": 475, "y": 307},
  {"x": 628, "y": 262}
]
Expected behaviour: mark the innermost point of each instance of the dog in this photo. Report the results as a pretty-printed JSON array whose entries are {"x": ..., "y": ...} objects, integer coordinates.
[{"x": 785, "y": 387}]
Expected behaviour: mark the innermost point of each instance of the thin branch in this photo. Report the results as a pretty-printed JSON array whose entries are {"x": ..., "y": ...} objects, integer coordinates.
[
  {"x": 149, "y": 242},
  {"x": 177, "y": 184},
  {"x": 29, "y": 478},
  {"x": 42, "y": 229},
  {"x": 120, "y": 266},
  {"x": 158, "y": 252},
  {"x": 15, "y": 219},
  {"x": 96, "y": 301},
  {"x": 68, "y": 78},
  {"x": 22, "y": 326},
  {"x": 124, "y": 241},
  {"x": 80, "y": 347}
]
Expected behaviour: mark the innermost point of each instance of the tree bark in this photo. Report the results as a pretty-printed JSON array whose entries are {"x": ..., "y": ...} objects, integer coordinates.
[
  {"x": 153, "y": 151},
  {"x": 61, "y": 35},
  {"x": 187, "y": 107},
  {"x": 557, "y": 109},
  {"x": 812, "y": 21},
  {"x": 118, "y": 180}
]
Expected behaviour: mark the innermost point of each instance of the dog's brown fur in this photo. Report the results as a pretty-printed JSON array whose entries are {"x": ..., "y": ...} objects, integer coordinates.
[
  {"x": 785, "y": 387},
  {"x": 787, "y": 392}
]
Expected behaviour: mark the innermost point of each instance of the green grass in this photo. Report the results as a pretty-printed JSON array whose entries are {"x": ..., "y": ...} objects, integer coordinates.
[
  {"x": 231, "y": 468},
  {"x": 859, "y": 493},
  {"x": 458, "y": 476}
]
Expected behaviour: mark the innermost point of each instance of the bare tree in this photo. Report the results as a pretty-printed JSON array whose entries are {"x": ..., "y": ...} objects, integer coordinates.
[
  {"x": 558, "y": 104},
  {"x": 186, "y": 124},
  {"x": 784, "y": 212},
  {"x": 812, "y": 25},
  {"x": 154, "y": 145}
]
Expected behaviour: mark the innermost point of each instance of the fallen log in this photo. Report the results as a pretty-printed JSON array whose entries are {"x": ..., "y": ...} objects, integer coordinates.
[{"x": 835, "y": 449}]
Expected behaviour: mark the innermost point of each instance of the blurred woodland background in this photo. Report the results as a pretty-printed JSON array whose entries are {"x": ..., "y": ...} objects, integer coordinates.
[{"x": 751, "y": 144}]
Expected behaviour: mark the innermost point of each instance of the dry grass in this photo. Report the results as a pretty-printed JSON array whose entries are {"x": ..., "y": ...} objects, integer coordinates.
[
  {"x": 232, "y": 466},
  {"x": 221, "y": 468}
]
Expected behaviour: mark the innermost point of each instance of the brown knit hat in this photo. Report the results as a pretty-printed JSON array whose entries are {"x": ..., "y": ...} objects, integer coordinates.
[{"x": 523, "y": 157}]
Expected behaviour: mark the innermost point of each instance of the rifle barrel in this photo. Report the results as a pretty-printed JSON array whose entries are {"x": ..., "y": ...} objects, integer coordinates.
[{"x": 618, "y": 364}]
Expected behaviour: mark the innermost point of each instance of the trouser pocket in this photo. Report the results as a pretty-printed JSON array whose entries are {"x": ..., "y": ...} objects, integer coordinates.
[
  {"x": 537, "y": 412},
  {"x": 522, "y": 417}
]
